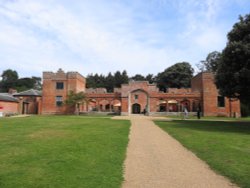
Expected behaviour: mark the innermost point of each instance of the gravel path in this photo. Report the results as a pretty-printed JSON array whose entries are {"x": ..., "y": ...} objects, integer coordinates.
[{"x": 154, "y": 160}]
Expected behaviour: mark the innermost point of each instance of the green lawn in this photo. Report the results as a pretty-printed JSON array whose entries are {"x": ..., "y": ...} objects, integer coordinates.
[
  {"x": 192, "y": 117},
  {"x": 62, "y": 151},
  {"x": 225, "y": 146}
]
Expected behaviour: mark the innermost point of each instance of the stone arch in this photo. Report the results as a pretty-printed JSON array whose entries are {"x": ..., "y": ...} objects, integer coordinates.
[
  {"x": 140, "y": 97},
  {"x": 173, "y": 105},
  {"x": 162, "y": 105},
  {"x": 185, "y": 103},
  {"x": 104, "y": 105},
  {"x": 116, "y": 104}
]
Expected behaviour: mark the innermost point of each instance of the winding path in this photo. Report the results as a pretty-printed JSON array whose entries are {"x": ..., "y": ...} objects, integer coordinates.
[{"x": 154, "y": 160}]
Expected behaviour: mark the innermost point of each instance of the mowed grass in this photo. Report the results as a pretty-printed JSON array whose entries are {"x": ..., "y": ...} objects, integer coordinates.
[
  {"x": 62, "y": 151},
  {"x": 225, "y": 146}
]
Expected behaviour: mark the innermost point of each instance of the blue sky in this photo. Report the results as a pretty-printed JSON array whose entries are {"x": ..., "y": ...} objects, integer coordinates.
[{"x": 101, "y": 36}]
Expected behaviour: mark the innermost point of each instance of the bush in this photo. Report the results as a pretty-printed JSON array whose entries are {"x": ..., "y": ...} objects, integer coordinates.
[{"x": 245, "y": 110}]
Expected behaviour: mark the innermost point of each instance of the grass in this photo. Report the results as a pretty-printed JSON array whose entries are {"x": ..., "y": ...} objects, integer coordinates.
[
  {"x": 211, "y": 118},
  {"x": 225, "y": 146},
  {"x": 62, "y": 151}
]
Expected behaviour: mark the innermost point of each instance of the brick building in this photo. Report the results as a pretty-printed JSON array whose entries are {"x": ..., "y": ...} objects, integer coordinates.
[
  {"x": 8, "y": 104},
  {"x": 26, "y": 102},
  {"x": 56, "y": 87},
  {"x": 136, "y": 97}
]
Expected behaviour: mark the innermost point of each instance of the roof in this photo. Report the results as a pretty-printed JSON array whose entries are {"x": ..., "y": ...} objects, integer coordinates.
[
  {"x": 30, "y": 92},
  {"x": 7, "y": 97}
]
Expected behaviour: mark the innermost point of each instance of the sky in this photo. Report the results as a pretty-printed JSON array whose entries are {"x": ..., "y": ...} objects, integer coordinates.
[{"x": 102, "y": 36}]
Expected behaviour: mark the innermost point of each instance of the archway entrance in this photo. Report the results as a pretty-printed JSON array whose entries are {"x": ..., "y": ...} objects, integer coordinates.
[{"x": 136, "y": 108}]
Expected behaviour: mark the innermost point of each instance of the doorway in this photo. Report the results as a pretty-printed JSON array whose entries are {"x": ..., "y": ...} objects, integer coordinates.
[{"x": 136, "y": 108}]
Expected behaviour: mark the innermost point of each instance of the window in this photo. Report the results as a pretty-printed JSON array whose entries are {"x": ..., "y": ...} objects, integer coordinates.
[
  {"x": 221, "y": 101},
  {"x": 59, "y": 85},
  {"x": 59, "y": 101},
  {"x": 136, "y": 96}
]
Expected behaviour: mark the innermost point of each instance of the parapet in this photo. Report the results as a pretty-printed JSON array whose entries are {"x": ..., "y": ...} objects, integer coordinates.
[
  {"x": 96, "y": 90},
  {"x": 61, "y": 75},
  {"x": 179, "y": 90}
]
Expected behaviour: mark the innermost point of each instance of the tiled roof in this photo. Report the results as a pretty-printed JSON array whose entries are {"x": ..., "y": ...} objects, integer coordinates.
[
  {"x": 7, "y": 97},
  {"x": 30, "y": 92}
]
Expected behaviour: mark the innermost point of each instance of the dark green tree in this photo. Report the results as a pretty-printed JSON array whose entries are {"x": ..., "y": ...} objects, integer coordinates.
[
  {"x": 138, "y": 77},
  {"x": 177, "y": 76},
  {"x": 125, "y": 77},
  {"x": 150, "y": 78},
  {"x": 74, "y": 100},
  {"x": 90, "y": 81},
  {"x": 37, "y": 82},
  {"x": 109, "y": 82},
  {"x": 233, "y": 74},
  {"x": 24, "y": 84},
  {"x": 9, "y": 80},
  {"x": 211, "y": 63},
  {"x": 118, "y": 79}
]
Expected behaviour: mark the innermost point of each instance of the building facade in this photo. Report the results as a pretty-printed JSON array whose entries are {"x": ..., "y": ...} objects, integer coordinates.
[
  {"x": 136, "y": 97},
  {"x": 26, "y": 102}
]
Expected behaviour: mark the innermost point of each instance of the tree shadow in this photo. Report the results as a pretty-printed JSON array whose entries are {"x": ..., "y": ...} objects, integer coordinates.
[{"x": 212, "y": 126}]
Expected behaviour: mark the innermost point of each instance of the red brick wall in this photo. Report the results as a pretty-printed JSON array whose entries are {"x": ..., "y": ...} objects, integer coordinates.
[
  {"x": 32, "y": 106},
  {"x": 124, "y": 105},
  {"x": 8, "y": 107},
  {"x": 204, "y": 82},
  {"x": 142, "y": 99},
  {"x": 203, "y": 90},
  {"x": 73, "y": 81}
]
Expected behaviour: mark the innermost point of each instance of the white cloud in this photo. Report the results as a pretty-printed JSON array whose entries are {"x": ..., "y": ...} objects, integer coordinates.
[{"x": 102, "y": 36}]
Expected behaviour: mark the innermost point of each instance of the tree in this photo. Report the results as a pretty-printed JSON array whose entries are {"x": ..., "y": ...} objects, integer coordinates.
[
  {"x": 138, "y": 77},
  {"x": 95, "y": 81},
  {"x": 9, "y": 80},
  {"x": 37, "y": 82},
  {"x": 24, "y": 84},
  {"x": 150, "y": 78},
  {"x": 109, "y": 82},
  {"x": 177, "y": 76},
  {"x": 118, "y": 79},
  {"x": 74, "y": 99},
  {"x": 124, "y": 77},
  {"x": 233, "y": 74},
  {"x": 211, "y": 63}
]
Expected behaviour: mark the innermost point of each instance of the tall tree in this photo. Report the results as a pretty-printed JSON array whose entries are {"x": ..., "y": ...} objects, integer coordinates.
[
  {"x": 109, "y": 82},
  {"x": 125, "y": 77},
  {"x": 90, "y": 81},
  {"x": 211, "y": 63},
  {"x": 118, "y": 79},
  {"x": 37, "y": 82},
  {"x": 177, "y": 76},
  {"x": 9, "y": 80},
  {"x": 24, "y": 84},
  {"x": 233, "y": 75},
  {"x": 150, "y": 78},
  {"x": 138, "y": 77}
]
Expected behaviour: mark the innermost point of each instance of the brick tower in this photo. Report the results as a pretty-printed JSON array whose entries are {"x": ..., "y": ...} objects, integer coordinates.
[{"x": 56, "y": 87}]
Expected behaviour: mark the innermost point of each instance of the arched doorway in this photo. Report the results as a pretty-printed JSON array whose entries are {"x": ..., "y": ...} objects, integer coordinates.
[
  {"x": 139, "y": 102},
  {"x": 136, "y": 108}
]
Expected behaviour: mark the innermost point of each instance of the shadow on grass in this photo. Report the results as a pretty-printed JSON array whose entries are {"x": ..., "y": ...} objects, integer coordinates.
[{"x": 212, "y": 126}]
